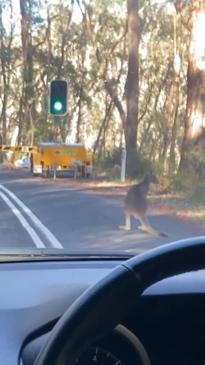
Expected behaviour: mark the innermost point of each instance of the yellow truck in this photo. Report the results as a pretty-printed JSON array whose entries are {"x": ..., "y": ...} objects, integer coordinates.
[{"x": 51, "y": 158}]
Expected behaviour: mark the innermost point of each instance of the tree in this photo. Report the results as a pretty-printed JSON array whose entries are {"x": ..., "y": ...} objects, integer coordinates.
[
  {"x": 5, "y": 60},
  {"x": 131, "y": 87},
  {"x": 128, "y": 115},
  {"x": 27, "y": 104},
  {"x": 193, "y": 142}
]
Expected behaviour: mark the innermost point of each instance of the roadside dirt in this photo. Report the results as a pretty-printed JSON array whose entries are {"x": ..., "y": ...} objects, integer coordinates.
[
  {"x": 167, "y": 204},
  {"x": 172, "y": 204}
]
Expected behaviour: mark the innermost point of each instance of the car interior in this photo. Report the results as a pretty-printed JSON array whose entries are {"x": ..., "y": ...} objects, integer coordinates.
[{"x": 142, "y": 310}]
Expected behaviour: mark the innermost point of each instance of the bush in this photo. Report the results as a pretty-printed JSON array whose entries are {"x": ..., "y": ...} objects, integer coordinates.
[
  {"x": 197, "y": 194},
  {"x": 191, "y": 186},
  {"x": 112, "y": 161}
]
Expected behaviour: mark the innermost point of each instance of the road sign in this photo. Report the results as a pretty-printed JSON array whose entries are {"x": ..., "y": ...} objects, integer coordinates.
[
  {"x": 58, "y": 95},
  {"x": 123, "y": 164}
]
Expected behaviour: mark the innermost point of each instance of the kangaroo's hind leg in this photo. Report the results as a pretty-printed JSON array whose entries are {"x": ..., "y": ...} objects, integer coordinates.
[
  {"x": 145, "y": 225},
  {"x": 127, "y": 225}
]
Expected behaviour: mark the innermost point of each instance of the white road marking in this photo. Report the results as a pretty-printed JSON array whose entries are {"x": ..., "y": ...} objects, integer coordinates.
[
  {"x": 34, "y": 236},
  {"x": 36, "y": 221}
]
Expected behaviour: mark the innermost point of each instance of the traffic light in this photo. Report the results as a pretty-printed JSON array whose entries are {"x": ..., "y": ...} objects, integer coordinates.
[{"x": 58, "y": 94}]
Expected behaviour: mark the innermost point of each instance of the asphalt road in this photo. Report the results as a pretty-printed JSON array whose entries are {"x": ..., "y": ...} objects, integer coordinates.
[{"x": 36, "y": 213}]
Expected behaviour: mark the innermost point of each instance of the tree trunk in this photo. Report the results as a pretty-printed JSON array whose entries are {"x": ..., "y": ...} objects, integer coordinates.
[
  {"x": 195, "y": 110},
  {"x": 20, "y": 119},
  {"x": 61, "y": 122},
  {"x": 3, "y": 118},
  {"x": 129, "y": 117},
  {"x": 80, "y": 104},
  {"x": 5, "y": 59},
  {"x": 108, "y": 111},
  {"x": 172, "y": 159},
  {"x": 131, "y": 88},
  {"x": 28, "y": 103},
  {"x": 170, "y": 118},
  {"x": 175, "y": 91}
]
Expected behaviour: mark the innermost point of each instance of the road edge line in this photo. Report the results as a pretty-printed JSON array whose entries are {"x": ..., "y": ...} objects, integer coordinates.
[
  {"x": 34, "y": 236},
  {"x": 48, "y": 234}
]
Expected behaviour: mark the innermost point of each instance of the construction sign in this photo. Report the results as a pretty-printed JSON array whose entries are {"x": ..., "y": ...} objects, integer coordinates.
[{"x": 24, "y": 149}]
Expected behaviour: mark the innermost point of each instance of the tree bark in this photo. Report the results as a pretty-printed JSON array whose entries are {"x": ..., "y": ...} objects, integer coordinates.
[{"x": 131, "y": 88}]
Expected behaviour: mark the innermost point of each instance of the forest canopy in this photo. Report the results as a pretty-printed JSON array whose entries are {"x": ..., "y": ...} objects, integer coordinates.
[{"x": 136, "y": 76}]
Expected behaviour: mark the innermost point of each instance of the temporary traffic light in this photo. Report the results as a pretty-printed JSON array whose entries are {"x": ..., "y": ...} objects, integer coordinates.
[{"x": 58, "y": 95}]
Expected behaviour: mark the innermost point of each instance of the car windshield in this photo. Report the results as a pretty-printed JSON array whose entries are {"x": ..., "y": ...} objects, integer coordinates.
[{"x": 102, "y": 125}]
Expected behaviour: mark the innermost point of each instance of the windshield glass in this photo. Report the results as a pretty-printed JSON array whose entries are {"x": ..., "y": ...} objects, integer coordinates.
[{"x": 102, "y": 114}]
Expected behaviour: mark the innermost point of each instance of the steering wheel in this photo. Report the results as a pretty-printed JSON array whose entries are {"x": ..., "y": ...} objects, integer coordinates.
[{"x": 103, "y": 306}]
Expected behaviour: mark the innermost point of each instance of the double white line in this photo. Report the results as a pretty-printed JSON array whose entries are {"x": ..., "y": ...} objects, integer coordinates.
[{"x": 10, "y": 198}]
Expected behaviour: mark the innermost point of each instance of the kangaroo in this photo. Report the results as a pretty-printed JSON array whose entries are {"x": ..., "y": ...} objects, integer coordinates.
[{"x": 136, "y": 205}]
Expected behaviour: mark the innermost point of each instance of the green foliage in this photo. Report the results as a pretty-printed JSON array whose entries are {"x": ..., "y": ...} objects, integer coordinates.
[
  {"x": 197, "y": 194},
  {"x": 190, "y": 186},
  {"x": 113, "y": 159},
  {"x": 110, "y": 159}
]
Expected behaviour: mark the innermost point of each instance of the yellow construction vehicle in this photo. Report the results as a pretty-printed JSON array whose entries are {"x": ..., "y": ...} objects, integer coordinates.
[
  {"x": 16, "y": 153},
  {"x": 50, "y": 158}
]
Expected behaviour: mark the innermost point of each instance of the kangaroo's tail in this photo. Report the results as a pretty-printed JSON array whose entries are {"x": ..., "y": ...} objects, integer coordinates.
[{"x": 155, "y": 232}]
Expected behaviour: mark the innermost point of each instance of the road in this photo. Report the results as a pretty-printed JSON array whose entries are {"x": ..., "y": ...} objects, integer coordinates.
[{"x": 36, "y": 213}]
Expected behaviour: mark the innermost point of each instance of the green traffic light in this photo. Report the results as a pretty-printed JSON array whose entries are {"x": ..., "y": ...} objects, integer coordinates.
[
  {"x": 58, "y": 97},
  {"x": 58, "y": 106}
]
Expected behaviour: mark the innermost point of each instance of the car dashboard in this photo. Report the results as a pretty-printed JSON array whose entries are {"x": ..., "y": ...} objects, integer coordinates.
[{"x": 167, "y": 325}]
